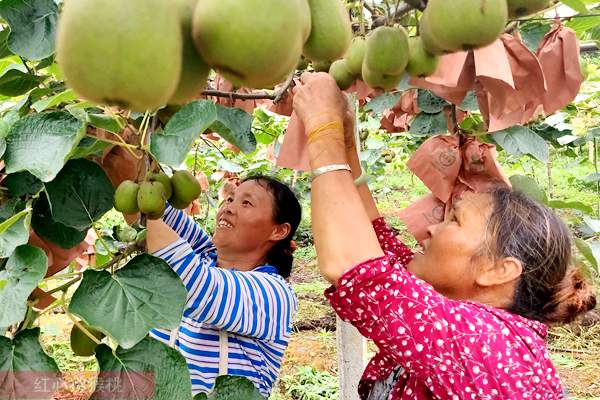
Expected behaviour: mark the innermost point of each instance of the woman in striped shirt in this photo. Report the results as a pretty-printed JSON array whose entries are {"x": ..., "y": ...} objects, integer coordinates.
[{"x": 238, "y": 314}]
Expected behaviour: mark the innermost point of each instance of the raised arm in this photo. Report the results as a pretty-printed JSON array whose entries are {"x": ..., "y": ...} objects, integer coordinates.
[
  {"x": 254, "y": 303},
  {"x": 187, "y": 229},
  {"x": 341, "y": 225},
  {"x": 387, "y": 239}
]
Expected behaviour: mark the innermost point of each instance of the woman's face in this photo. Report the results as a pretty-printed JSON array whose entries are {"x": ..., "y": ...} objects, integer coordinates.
[
  {"x": 245, "y": 220},
  {"x": 449, "y": 261}
]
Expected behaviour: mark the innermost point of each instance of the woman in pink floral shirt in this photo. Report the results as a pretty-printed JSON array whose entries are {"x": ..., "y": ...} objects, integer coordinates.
[{"x": 466, "y": 319}]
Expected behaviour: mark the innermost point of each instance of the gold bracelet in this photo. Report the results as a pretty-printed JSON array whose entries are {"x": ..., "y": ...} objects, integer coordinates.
[{"x": 330, "y": 125}]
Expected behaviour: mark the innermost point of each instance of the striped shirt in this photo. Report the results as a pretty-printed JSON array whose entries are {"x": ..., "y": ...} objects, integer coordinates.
[{"x": 255, "y": 308}]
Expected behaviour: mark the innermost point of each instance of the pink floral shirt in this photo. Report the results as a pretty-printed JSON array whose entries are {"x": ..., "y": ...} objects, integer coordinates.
[{"x": 447, "y": 349}]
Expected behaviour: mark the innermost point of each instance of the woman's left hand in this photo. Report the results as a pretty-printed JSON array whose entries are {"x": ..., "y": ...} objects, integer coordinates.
[{"x": 319, "y": 101}]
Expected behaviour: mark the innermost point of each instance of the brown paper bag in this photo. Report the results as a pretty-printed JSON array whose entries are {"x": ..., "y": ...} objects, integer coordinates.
[{"x": 559, "y": 57}]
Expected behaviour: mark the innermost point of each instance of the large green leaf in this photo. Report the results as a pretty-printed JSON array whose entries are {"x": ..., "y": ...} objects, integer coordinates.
[
  {"x": 22, "y": 183},
  {"x": 24, "y": 365},
  {"x": 33, "y": 27},
  {"x": 429, "y": 124},
  {"x": 430, "y": 103},
  {"x": 172, "y": 145},
  {"x": 529, "y": 187},
  {"x": 150, "y": 370},
  {"x": 80, "y": 194},
  {"x": 40, "y": 143},
  {"x": 15, "y": 82},
  {"x": 25, "y": 268},
  {"x": 143, "y": 295},
  {"x": 228, "y": 387},
  {"x": 14, "y": 232},
  {"x": 522, "y": 140},
  {"x": 235, "y": 126},
  {"x": 44, "y": 224}
]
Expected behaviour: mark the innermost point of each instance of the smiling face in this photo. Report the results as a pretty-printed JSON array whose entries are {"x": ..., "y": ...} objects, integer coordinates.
[
  {"x": 245, "y": 223},
  {"x": 450, "y": 261}
]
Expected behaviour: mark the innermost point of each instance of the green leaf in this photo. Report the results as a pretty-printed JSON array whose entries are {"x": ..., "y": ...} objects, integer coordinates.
[
  {"x": 143, "y": 295},
  {"x": 22, "y": 183},
  {"x": 33, "y": 27},
  {"x": 593, "y": 224},
  {"x": 228, "y": 387},
  {"x": 14, "y": 232},
  {"x": 586, "y": 251},
  {"x": 44, "y": 224},
  {"x": 24, "y": 270},
  {"x": 2, "y": 146},
  {"x": 80, "y": 194},
  {"x": 469, "y": 103},
  {"x": 571, "y": 205},
  {"x": 429, "y": 102},
  {"x": 10, "y": 207},
  {"x": 429, "y": 124},
  {"x": 533, "y": 33},
  {"x": 522, "y": 140},
  {"x": 229, "y": 166},
  {"x": 150, "y": 370},
  {"x": 89, "y": 147},
  {"x": 175, "y": 142},
  {"x": 15, "y": 82},
  {"x": 4, "y": 50},
  {"x": 581, "y": 25},
  {"x": 592, "y": 178},
  {"x": 40, "y": 143},
  {"x": 576, "y": 5},
  {"x": 529, "y": 187},
  {"x": 106, "y": 122},
  {"x": 23, "y": 362},
  {"x": 235, "y": 126},
  {"x": 382, "y": 103},
  {"x": 51, "y": 102}
]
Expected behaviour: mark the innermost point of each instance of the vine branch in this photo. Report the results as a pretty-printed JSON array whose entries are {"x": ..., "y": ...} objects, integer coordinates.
[{"x": 261, "y": 95}]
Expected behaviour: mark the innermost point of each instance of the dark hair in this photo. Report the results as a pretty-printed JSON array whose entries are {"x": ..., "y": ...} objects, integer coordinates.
[
  {"x": 549, "y": 290},
  {"x": 286, "y": 209}
]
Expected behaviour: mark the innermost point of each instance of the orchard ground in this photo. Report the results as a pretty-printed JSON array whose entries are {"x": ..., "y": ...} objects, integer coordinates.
[{"x": 309, "y": 371}]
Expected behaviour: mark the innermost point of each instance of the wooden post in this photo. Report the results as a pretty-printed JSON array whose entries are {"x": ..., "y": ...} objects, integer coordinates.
[
  {"x": 351, "y": 345},
  {"x": 352, "y": 359}
]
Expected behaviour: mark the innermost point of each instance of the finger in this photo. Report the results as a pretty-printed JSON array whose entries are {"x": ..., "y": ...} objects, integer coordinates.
[{"x": 307, "y": 77}]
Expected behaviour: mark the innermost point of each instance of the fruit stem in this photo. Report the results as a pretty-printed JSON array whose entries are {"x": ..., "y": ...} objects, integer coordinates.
[
  {"x": 144, "y": 129},
  {"x": 122, "y": 143},
  {"x": 64, "y": 286},
  {"x": 361, "y": 18},
  {"x": 61, "y": 276}
]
